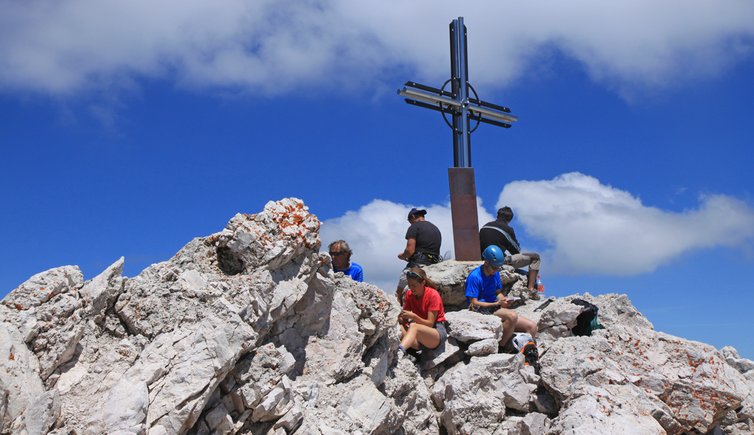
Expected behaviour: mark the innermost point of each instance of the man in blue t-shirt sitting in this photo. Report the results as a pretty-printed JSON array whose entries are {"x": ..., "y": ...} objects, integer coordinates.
[
  {"x": 484, "y": 293},
  {"x": 340, "y": 253}
]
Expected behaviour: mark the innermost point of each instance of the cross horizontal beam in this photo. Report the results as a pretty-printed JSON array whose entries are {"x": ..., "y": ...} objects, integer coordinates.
[
  {"x": 480, "y": 111},
  {"x": 449, "y": 111}
]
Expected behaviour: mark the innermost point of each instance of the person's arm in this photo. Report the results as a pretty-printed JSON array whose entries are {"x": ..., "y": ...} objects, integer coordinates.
[
  {"x": 359, "y": 275},
  {"x": 409, "y": 251},
  {"x": 429, "y": 321},
  {"x": 478, "y": 303}
]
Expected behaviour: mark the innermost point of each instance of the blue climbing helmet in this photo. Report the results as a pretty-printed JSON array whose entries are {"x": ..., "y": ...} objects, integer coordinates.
[{"x": 494, "y": 255}]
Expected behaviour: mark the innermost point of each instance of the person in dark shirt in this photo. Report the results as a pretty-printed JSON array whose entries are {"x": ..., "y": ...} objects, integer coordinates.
[
  {"x": 500, "y": 233},
  {"x": 423, "y": 240}
]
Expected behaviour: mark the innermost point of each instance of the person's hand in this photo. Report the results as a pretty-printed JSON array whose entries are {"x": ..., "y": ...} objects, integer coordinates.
[
  {"x": 502, "y": 301},
  {"x": 408, "y": 316}
]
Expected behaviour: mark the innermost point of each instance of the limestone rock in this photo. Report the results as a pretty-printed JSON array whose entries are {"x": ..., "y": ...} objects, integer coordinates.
[
  {"x": 474, "y": 397},
  {"x": 731, "y": 356},
  {"x": 483, "y": 347},
  {"x": 249, "y": 331},
  {"x": 450, "y": 277},
  {"x": 682, "y": 384},
  {"x": 43, "y": 286},
  {"x": 23, "y": 399},
  {"x": 468, "y": 326}
]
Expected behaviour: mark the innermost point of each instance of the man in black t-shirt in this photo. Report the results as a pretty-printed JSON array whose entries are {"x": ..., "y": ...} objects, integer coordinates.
[
  {"x": 500, "y": 233},
  {"x": 423, "y": 240}
]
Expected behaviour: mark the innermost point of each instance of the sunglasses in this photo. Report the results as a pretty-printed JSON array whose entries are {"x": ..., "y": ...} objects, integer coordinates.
[
  {"x": 414, "y": 275},
  {"x": 335, "y": 254}
]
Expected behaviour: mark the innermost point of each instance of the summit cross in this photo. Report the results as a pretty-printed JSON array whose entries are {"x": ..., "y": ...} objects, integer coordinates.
[{"x": 463, "y": 109}]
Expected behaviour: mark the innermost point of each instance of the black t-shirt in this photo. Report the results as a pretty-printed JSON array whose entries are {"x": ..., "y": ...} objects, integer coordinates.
[
  {"x": 427, "y": 235},
  {"x": 490, "y": 236}
]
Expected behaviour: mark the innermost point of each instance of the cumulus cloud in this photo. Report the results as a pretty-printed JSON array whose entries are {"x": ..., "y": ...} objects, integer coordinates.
[
  {"x": 588, "y": 228},
  {"x": 593, "y": 228},
  {"x": 376, "y": 233},
  {"x": 273, "y": 46}
]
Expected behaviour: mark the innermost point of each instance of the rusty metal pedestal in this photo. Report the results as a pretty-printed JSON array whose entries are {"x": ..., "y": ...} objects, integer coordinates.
[{"x": 464, "y": 211}]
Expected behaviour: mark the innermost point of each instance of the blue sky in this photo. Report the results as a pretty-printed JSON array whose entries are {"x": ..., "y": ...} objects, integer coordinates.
[{"x": 130, "y": 128}]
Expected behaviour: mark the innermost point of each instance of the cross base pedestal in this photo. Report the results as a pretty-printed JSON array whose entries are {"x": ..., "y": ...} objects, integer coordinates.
[{"x": 464, "y": 213}]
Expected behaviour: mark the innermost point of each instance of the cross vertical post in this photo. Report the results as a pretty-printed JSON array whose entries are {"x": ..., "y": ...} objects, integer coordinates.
[
  {"x": 463, "y": 109},
  {"x": 459, "y": 73}
]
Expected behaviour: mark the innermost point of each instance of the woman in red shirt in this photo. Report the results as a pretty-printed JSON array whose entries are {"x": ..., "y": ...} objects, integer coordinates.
[{"x": 423, "y": 317}]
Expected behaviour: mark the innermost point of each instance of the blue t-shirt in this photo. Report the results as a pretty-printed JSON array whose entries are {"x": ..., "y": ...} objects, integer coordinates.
[
  {"x": 355, "y": 272},
  {"x": 482, "y": 287}
]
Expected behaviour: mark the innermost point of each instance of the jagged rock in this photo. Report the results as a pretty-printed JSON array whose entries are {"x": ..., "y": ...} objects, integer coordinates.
[
  {"x": 248, "y": 330},
  {"x": 606, "y": 410},
  {"x": 483, "y": 347},
  {"x": 731, "y": 356},
  {"x": 468, "y": 326},
  {"x": 474, "y": 397},
  {"x": 24, "y": 403},
  {"x": 450, "y": 277},
  {"x": 100, "y": 293},
  {"x": 534, "y": 424},
  {"x": 448, "y": 352},
  {"x": 682, "y": 384},
  {"x": 412, "y": 399},
  {"x": 44, "y": 286}
]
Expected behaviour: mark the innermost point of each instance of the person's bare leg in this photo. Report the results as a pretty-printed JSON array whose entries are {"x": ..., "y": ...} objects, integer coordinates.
[
  {"x": 532, "y": 279},
  {"x": 420, "y": 334},
  {"x": 510, "y": 319},
  {"x": 525, "y": 325}
]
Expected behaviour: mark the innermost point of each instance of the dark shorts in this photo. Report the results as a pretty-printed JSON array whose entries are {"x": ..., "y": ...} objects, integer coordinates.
[{"x": 487, "y": 310}]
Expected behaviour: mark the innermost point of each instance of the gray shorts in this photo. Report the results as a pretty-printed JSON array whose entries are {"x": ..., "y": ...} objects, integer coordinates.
[
  {"x": 427, "y": 353},
  {"x": 524, "y": 259}
]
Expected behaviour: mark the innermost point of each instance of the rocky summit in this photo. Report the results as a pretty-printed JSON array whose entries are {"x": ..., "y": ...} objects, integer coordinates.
[{"x": 249, "y": 331}]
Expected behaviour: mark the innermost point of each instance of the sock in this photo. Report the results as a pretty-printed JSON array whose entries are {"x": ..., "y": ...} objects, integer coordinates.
[{"x": 401, "y": 351}]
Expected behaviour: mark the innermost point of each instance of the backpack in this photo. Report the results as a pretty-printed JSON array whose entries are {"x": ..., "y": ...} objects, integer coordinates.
[{"x": 587, "y": 321}]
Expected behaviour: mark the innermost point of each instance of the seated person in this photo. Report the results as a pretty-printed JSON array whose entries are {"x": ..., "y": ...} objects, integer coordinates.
[
  {"x": 500, "y": 233},
  {"x": 484, "y": 293},
  {"x": 340, "y": 253},
  {"x": 423, "y": 317}
]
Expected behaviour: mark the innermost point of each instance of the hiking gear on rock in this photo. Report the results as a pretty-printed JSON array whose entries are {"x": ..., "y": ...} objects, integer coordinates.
[
  {"x": 526, "y": 345},
  {"x": 520, "y": 339},
  {"x": 544, "y": 304},
  {"x": 587, "y": 321},
  {"x": 494, "y": 255}
]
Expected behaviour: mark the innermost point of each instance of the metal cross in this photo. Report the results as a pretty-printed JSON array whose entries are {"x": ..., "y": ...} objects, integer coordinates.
[{"x": 463, "y": 109}]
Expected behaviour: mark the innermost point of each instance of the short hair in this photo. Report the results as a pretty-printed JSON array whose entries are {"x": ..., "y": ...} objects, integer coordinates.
[
  {"x": 505, "y": 213},
  {"x": 343, "y": 245}
]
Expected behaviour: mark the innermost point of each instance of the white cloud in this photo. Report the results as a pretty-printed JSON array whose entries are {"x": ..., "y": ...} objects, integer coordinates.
[
  {"x": 590, "y": 228},
  {"x": 376, "y": 233},
  {"x": 272, "y": 46},
  {"x": 594, "y": 228}
]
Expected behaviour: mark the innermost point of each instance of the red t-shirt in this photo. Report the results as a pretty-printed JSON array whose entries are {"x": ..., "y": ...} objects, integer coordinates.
[{"x": 430, "y": 301}]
